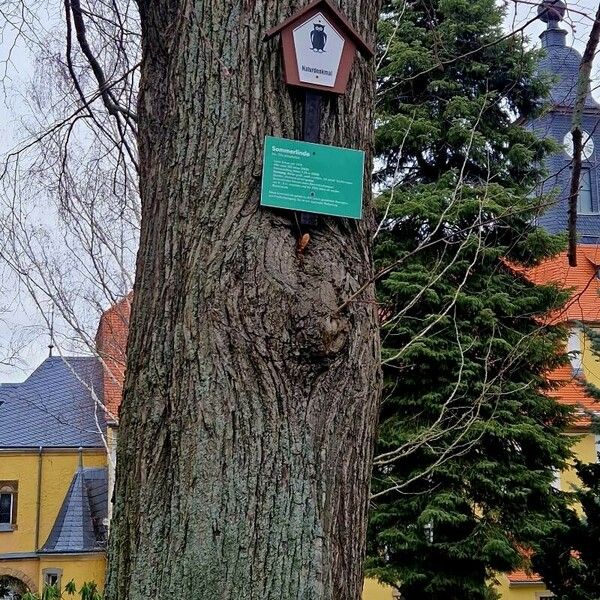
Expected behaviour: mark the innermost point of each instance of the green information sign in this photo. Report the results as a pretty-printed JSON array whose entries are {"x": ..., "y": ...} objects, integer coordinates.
[{"x": 312, "y": 178}]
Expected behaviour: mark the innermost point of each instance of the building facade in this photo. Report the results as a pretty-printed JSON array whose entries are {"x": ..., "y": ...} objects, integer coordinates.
[
  {"x": 53, "y": 476},
  {"x": 562, "y": 63}
]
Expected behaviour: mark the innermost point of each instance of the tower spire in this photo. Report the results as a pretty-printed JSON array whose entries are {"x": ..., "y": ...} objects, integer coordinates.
[
  {"x": 553, "y": 12},
  {"x": 51, "y": 344}
]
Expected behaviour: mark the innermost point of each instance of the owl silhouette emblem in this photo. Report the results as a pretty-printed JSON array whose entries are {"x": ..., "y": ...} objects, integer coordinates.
[{"x": 318, "y": 38}]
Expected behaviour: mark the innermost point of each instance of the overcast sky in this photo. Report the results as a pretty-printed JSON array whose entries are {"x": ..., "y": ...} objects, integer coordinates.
[
  {"x": 20, "y": 324},
  {"x": 22, "y": 321}
]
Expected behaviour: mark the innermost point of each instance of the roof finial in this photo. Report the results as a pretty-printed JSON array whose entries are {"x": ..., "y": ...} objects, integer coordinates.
[
  {"x": 51, "y": 344},
  {"x": 551, "y": 12}
]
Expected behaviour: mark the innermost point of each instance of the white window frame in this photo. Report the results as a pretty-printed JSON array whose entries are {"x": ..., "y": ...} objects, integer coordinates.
[
  {"x": 52, "y": 572},
  {"x": 9, "y": 489},
  {"x": 587, "y": 174},
  {"x": 556, "y": 483},
  {"x": 574, "y": 351}
]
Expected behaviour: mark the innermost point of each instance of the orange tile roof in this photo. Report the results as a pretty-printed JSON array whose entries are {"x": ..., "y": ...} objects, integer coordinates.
[
  {"x": 521, "y": 576},
  {"x": 584, "y": 304},
  {"x": 572, "y": 392},
  {"x": 524, "y": 576}
]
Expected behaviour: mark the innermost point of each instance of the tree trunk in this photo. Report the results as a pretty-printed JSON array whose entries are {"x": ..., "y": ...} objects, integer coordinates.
[{"x": 251, "y": 401}]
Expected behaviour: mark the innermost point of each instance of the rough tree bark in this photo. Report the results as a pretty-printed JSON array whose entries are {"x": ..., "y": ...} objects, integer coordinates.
[{"x": 251, "y": 399}]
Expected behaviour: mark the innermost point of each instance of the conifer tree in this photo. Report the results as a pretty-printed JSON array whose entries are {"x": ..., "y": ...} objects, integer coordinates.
[
  {"x": 469, "y": 439},
  {"x": 569, "y": 557}
]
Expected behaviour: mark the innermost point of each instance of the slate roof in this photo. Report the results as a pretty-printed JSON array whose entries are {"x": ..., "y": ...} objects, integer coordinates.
[
  {"x": 563, "y": 63},
  {"x": 80, "y": 526},
  {"x": 54, "y": 407}
]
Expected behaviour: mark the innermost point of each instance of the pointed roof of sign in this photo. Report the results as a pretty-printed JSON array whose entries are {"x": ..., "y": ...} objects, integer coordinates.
[{"x": 365, "y": 48}]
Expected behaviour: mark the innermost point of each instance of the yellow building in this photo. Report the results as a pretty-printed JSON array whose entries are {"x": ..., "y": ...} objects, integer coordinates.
[
  {"x": 53, "y": 476},
  {"x": 375, "y": 591},
  {"x": 584, "y": 368},
  {"x": 562, "y": 62}
]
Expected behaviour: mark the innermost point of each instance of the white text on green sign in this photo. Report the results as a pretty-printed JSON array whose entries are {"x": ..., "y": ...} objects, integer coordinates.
[{"x": 312, "y": 178}]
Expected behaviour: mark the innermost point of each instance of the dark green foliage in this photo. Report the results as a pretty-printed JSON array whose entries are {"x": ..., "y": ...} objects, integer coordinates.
[
  {"x": 4, "y": 586},
  {"x": 88, "y": 591},
  {"x": 592, "y": 390},
  {"x": 473, "y": 437},
  {"x": 594, "y": 338},
  {"x": 569, "y": 559}
]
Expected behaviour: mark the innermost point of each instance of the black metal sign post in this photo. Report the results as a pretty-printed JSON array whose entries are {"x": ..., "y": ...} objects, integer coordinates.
[
  {"x": 329, "y": 33},
  {"x": 311, "y": 133}
]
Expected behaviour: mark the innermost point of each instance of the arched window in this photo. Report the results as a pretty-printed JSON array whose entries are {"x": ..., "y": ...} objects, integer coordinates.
[{"x": 8, "y": 505}]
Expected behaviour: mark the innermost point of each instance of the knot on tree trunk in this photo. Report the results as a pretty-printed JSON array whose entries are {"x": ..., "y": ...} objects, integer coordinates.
[{"x": 324, "y": 336}]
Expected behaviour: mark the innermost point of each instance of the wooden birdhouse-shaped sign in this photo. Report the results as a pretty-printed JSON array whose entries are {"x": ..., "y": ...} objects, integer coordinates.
[{"x": 319, "y": 46}]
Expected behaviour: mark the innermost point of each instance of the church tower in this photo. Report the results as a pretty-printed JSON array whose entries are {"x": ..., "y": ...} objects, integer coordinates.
[{"x": 562, "y": 62}]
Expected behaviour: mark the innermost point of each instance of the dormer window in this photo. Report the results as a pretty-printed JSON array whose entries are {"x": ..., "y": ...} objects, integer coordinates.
[
  {"x": 8, "y": 505},
  {"x": 585, "y": 204},
  {"x": 574, "y": 351}
]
